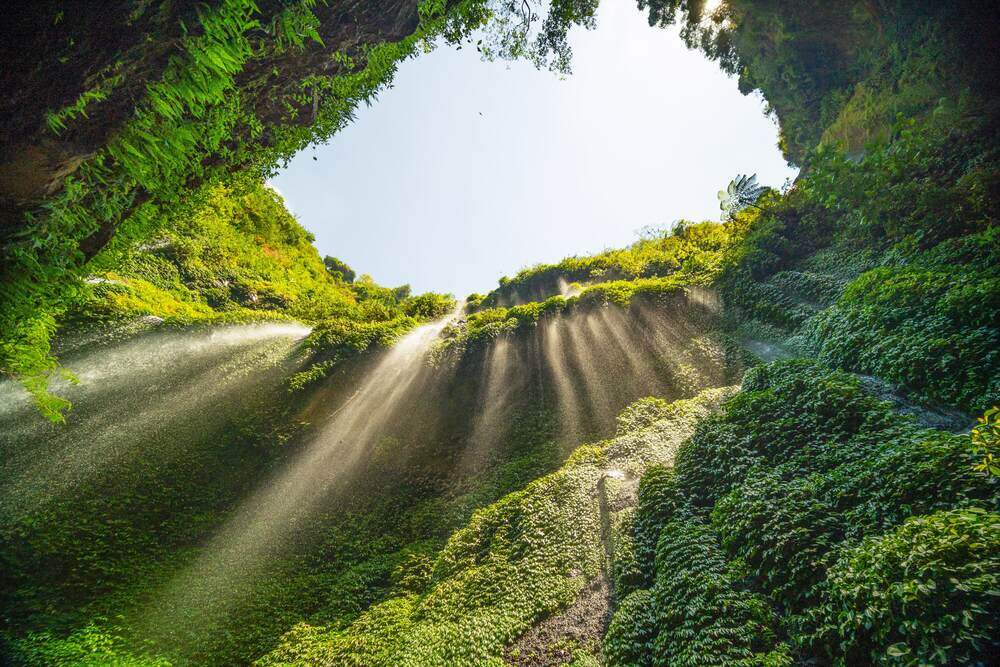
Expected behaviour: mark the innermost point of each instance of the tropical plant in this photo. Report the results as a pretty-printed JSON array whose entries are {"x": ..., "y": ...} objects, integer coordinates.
[{"x": 742, "y": 192}]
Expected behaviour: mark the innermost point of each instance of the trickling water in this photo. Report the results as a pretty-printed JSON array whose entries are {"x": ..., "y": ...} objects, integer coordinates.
[
  {"x": 500, "y": 385},
  {"x": 327, "y": 463},
  {"x": 585, "y": 357},
  {"x": 151, "y": 396},
  {"x": 567, "y": 290},
  {"x": 567, "y": 391}
]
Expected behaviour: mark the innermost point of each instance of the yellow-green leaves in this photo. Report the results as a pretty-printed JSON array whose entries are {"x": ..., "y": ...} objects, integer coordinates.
[{"x": 986, "y": 442}]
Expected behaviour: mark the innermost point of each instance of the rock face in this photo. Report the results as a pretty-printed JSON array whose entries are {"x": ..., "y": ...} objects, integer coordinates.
[{"x": 106, "y": 55}]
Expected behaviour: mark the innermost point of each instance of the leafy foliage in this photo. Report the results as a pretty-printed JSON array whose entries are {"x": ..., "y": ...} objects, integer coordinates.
[
  {"x": 336, "y": 266},
  {"x": 812, "y": 60},
  {"x": 196, "y": 125},
  {"x": 887, "y": 266},
  {"x": 660, "y": 502},
  {"x": 86, "y": 647},
  {"x": 632, "y": 631},
  {"x": 689, "y": 253},
  {"x": 927, "y": 328},
  {"x": 925, "y": 592},
  {"x": 799, "y": 467},
  {"x": 808, "y": 521},
  {"x": 237, "y": 254},
  {"x": 701, "y": 613},
  {"x": 514, "y": 32},
  {"x": 986, "y": 442},
  {"x": 521, "y": 559}
]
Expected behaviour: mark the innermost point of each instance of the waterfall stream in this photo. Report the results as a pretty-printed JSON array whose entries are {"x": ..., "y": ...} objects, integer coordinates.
[
  {"x": 325, "y": 464},
  {"x": 151, "y": 397}
]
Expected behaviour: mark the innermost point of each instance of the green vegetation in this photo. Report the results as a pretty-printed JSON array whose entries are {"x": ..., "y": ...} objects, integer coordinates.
[
  {"x": 240, "y": 258},
  {"x": 790, "y": 516},
  {"x": 986, "y": 441},
  {"x": 236, "y": 255},
  {"x": 87, "y": 647},
  {"x": 841, "y": 72},
  {"x": 217, "y": 94},
  {"x": 516, "y": 561},
  {"x": 816, "y": 516},
  {"x": 83, "y": 572},
  {"x": 741, "y": 193},
  {"x": 689, "y": 254},
  {"x": 917, "y": 292},
  {"x": 336, "y": 266},
  {"x": 379, "y": 319},
  {"x": 208, "y": 117}
]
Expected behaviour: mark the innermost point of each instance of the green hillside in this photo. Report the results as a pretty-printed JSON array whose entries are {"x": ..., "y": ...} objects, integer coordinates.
[{"x": 769, "y": 440}]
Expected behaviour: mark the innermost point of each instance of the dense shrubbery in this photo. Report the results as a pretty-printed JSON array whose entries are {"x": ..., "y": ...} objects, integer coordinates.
[
  {"x": 702, "y": 613},
  {"x": 914, "y": 282},
  {"x": 236, "y": 254},
  {"x": 690, "y": 254},
  {"x": 378, "y": 319},
  {"x": 517, "y": 561},
  {"x": 512, "y": 563},
  {"x": 87, "y": 647},
  {"x": 631, "y": 635},
  {"x": 929, "y": 324},
  {"x": 926, "y": 591},
  {"x": 659, "y": 502},
  {"x": 670, "y": 294},
  {"x": 841, "y": 72},
  {"x": 337, "y": 339},
  {"x": 240, "y": 255},
  {"x": 800, "y": 467},
  {"x": 807, "y": 522}
]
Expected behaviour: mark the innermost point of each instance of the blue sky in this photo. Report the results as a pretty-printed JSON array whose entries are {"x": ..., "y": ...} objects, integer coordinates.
[{"x": 465, "y": 171}]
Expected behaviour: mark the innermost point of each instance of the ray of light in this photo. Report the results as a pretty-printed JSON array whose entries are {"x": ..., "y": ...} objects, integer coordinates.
[
  {"x": 150, "y": 397},
  {"x": 264, "y": 523},
  {"x": 500, "y": 384}
]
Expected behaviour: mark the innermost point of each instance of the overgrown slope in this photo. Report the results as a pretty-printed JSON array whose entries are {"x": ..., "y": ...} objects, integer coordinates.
[
  {"x": 377, "y": 494},
  {"x": 234, "y": 256},
  {"x": 517, "y": 561},
  {"x": 809, "y": 522}
]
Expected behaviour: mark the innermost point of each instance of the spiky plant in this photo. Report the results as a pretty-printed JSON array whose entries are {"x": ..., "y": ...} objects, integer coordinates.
[{"x": 742, "y": 192}]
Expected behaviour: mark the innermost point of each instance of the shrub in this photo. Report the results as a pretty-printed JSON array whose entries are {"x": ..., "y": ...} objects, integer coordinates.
[
  {"x": 631, "y": 634},
  {"x": 798, "y": 468},
  {"x": 659, "y": 502},
  {"x": 89, "y": 646},
  {"x": 925, "y": 593},
  {"x": 931, "y": 329},
  {"x": 703, "y": 617},
  {"x": 339, "y": 268},
  {"x": 640, "y": 414}
]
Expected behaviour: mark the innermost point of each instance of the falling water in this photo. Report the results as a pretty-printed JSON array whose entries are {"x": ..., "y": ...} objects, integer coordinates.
[
  {"x": 501, "y": 383},
  {"x": 595, "y": 361},
  {"x": 327, "y": 464},
  {"x": 150, "y": 397},
  {"x": 566, "y": 289},
  {"x": 567, "y": 390},
  {"x": 164, "y": 396}
]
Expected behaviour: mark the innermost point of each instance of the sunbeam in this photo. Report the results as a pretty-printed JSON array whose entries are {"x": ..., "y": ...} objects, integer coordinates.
[
  {"x": 328, "y": 463},
  {"x": 151, "y": 397}
]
